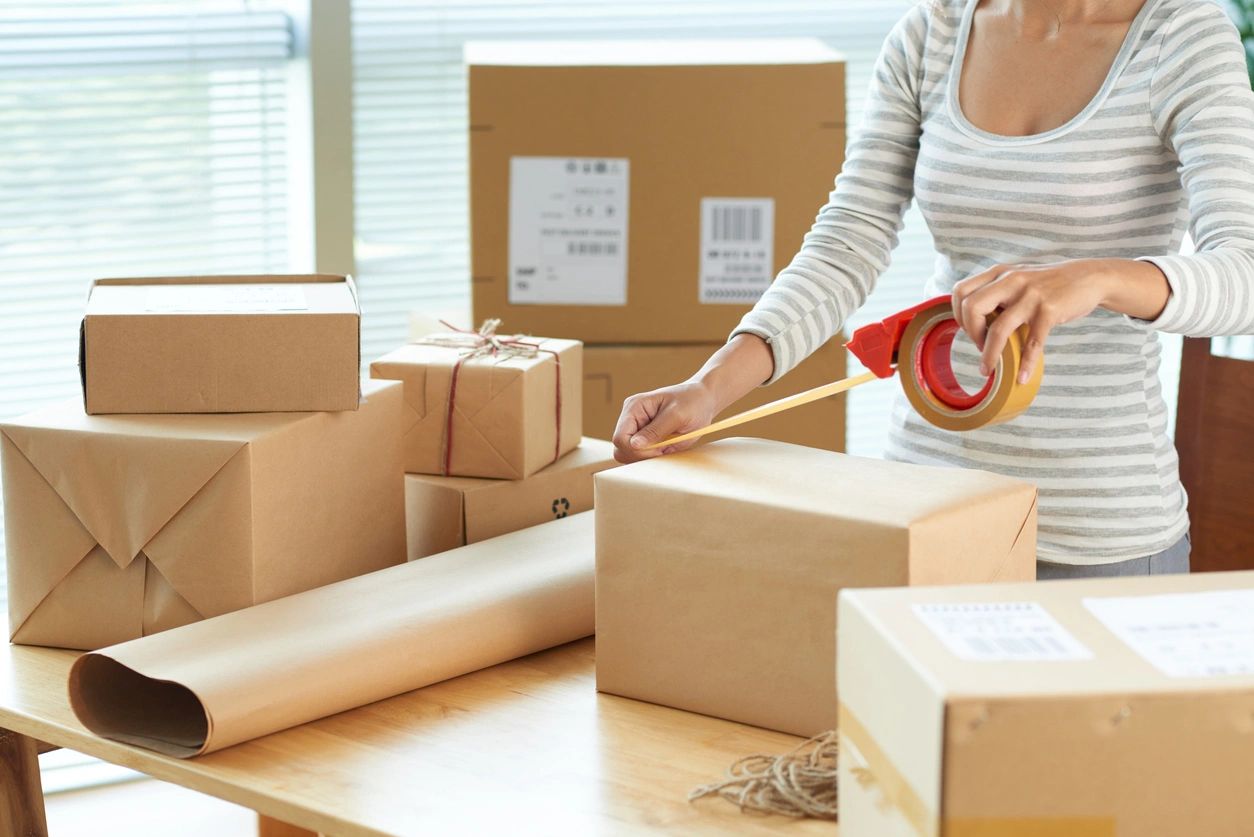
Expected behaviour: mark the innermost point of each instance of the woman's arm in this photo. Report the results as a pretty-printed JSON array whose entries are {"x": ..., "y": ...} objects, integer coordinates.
[
  {"x": 1203, "y": 108},
  {"x": 849, "y": 245}
]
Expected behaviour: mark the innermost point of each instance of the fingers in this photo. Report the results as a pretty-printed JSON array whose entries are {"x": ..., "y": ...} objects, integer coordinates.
[
  {"x": 962, "y": 293},
  {"x": 999, "y": 332},
  {"x": 977, "y": 305},
  {"x": 1033, "y": 347},
  {"x": 649, "y": 418}
]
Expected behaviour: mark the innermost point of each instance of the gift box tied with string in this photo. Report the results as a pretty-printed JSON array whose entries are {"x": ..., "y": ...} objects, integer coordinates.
[{"x": 483, "y": 404}]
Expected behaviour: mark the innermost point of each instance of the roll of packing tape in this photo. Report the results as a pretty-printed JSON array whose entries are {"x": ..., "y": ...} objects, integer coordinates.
[{"x": 927, "y": 375}]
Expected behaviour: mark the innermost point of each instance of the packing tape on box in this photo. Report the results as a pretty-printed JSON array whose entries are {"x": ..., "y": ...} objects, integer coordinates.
[
  {"x": 211, "y": 684},
  {"x": 927, "y": 377}
]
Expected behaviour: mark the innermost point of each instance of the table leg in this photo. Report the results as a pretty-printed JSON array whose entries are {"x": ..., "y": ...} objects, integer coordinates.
[
  {"x": 22, "y": 814},
  {"x": 270, "y": 827}
]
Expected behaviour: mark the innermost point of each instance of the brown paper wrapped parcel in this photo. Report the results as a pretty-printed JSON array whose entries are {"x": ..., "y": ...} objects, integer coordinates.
[
  {"x": 1088, "y": 708},
  {"x": 476, "y": 413},
  {"x": 443, "y": 513},
  {"x": 122, "y": 526},
  {"x": 206, "y": 686},
  {"x": 718, "y": 569}
]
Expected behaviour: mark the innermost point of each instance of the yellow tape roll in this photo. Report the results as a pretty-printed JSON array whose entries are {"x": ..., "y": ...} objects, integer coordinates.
[{"x": 930, "y": 385}]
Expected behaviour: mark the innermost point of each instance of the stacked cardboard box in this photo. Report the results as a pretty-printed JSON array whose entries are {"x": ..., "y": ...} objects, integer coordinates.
[
  {"x": 492, "y": 439},
  {"x": 1093, "y": 707},
  {"x": 640, "y": 196},
  {"x": 245, "y": 463}
]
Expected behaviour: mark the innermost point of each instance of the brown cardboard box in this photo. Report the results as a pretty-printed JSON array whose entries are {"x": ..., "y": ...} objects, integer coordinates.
[
  {"x": 612, "y": 373},
  {"x": 1092, "y": 708},
  {"x": 121, "y": 526},
  {"x": 443, "y": 513},
  {"x": 718, "y": 568},
  {"x": 512, "y": 415},
  {"x": 221, "y": 344},
  {"x": 644, "y": 191}
]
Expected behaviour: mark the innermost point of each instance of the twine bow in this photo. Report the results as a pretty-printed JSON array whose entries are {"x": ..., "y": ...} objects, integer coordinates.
[{"x": 487, "y": 343}]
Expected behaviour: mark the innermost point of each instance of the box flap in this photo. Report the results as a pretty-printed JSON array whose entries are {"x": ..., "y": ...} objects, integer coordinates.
[
  {"x": 612, "y": 53},
  {"x": 831, "y": 484}
]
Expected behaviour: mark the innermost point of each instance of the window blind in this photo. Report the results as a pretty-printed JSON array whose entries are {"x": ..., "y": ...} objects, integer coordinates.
[
  {"x": 410, "y": 148},
  {"x": 134, "y": 140}
]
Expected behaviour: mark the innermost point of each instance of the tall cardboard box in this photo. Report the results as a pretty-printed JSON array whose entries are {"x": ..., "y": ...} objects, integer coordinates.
[
  {"x": 644, "y": 191},
  {"x": 221, "y": 344},
  {"x": 121, "y": 526},
  {"x": 612, "y": 373},
  {"x": 443, "y": 513},
  {"x": 1092, "y": 708},
  {"x": 718, "y": 568}
]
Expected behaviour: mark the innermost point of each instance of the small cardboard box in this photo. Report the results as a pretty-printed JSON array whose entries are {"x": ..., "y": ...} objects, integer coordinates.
[
  {"x": 443, "y": 513},
  {"x": 718, "y": 568},
  {"x": 612, "y": 373},
  {"x": 503, "y": 417},
  {"x": 645, "y": 191},
  {"x": 1090, "y": 708},
  {"x": 221, "y": 344},
  {"x": 122, "y": 526}
]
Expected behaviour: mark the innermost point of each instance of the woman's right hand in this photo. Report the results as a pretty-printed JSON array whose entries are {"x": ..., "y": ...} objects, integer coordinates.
[{"x": 653, "y": 416}]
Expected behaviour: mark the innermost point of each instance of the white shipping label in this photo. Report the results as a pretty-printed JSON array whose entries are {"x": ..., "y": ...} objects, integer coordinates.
[
  {"x": 994, "y": 632},
  {"x": 567, "y": 231},
  {"x": 1207, "y": 634},
  {"x": 737, "y": 249},
  {"x": 225, "y": 298}
]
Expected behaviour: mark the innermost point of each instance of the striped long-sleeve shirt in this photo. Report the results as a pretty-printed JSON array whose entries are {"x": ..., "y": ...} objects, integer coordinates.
[{"x": 1166, "y": 144}]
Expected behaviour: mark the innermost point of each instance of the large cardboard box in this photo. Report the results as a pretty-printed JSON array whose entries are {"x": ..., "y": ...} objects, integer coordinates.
[
  {"x": 443, "y": 513},
  {"x": 612, "y": 373},
  {"x": 500, "y": 416},
  {"x": 221, "y": 344},
  {"x": 1093, "y": 708},
  {"x": 718, "y": 568},
  {"x": 644, "y": 191},
  {"x": 122, "y": 526}
]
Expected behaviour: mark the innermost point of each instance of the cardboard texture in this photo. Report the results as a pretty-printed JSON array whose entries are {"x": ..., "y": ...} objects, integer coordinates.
[
  {"x": 122, "y": 526},
  {"x": 693, "y": 121},
  {"x": 1107, "y": 744},
  {"x": 508, "y": 412},
  {"x": 256, "y": 671},
  {"x": 613, "y": 373},
  {"x": 718, "y": 568},
  {"x": 443, "y": 513},
  {"x": 221, "y": 344}
]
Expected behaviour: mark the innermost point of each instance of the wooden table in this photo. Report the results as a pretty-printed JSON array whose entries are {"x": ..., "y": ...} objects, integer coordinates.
[{"x": 520, "y": 748}]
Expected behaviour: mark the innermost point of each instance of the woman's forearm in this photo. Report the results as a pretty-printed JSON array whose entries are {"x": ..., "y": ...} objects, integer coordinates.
[
  {"x": 1136, "y": 288},
  {"x": 732, "y": 372}
]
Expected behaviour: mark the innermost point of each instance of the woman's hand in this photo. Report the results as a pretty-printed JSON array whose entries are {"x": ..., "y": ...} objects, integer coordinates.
[
  {"x": 736, "y": 368},
  {"x": 653, "y": 416},
  {"x": 1046, "y": 295}
]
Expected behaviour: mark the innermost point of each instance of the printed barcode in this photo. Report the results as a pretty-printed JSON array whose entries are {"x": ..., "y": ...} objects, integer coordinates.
[
  {"x": 1014, "y": 646},
  {"x": 591, "y": 248},
  {"x": 737, "y": 223}
]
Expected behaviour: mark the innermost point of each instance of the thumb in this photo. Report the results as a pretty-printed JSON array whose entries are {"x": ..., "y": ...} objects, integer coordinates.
[{"x": 666, "y": 423}]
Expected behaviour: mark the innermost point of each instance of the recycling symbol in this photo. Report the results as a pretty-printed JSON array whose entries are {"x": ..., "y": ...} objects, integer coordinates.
[{"x": 561, "y": 507}]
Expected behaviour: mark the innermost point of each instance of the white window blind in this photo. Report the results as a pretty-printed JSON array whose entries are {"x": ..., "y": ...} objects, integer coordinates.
[
  {"x": 410, "y": 137},
  {"x": 134, "y": 140}
]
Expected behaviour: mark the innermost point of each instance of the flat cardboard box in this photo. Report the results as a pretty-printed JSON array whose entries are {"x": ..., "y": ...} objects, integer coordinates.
[
  {"x": 221, "y": 344},
  {"x": 1089, "y": 708},
  {"x": 511, "y": 415},
  {"x": 718, "y": 568},
  {"x": 612, "y": 373},
  {"x": 443, "y": 513},
  {"x": 644, "y": 191},
  {"x": 123, "y": 526}
]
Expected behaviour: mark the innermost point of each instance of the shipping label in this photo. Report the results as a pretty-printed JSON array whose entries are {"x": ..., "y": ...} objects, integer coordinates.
[
  {"x": 737, "y": 249},
  {"x": 995, "y": 632}
]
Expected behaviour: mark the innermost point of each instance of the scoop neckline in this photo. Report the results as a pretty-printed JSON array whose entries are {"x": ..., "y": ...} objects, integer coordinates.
[{"x": 1122, "y": 57}]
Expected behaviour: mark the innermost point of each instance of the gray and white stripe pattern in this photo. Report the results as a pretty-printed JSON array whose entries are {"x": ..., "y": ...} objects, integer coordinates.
[{"x": 1166, "y": 145}]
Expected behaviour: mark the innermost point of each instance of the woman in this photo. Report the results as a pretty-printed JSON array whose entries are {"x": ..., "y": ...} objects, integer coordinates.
[{"x": 1058, "y": 150}]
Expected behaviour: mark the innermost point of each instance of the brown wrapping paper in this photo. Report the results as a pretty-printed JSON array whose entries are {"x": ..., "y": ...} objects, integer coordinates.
[{"x": 215, "y": 683}]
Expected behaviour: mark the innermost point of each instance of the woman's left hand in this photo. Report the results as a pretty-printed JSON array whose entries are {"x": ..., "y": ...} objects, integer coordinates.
[{"x": 1042, "y": 296}]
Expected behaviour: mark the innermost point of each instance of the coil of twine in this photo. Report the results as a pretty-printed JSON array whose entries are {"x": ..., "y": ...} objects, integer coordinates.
[{"x": 799, "y": 783}]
